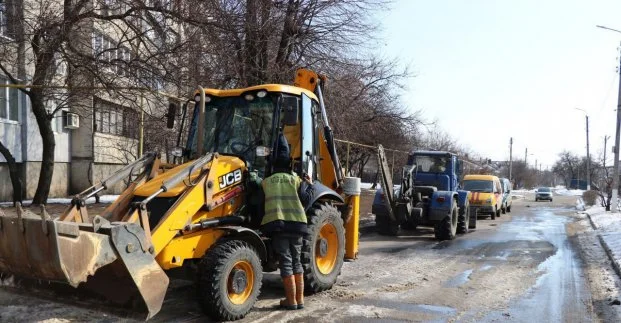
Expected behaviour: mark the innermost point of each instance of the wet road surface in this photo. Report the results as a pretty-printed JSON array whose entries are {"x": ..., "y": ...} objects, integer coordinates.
[{"x": 520, "y": 267}]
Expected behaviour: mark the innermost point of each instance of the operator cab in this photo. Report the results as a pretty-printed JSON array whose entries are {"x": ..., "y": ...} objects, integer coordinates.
[{"x": 245, "y": 123}]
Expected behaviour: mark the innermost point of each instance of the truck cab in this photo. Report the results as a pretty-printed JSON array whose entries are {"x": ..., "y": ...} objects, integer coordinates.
[{"x": 429, "y": 195}]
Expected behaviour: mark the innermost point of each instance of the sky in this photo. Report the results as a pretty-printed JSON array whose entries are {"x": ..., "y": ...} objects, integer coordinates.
[{"x": 489, "y": 70}]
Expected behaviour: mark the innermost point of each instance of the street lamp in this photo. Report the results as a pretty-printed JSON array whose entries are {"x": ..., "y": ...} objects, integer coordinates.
[
  {"x": 615, "y": 171},
  {"x": 588, "y": 165}
]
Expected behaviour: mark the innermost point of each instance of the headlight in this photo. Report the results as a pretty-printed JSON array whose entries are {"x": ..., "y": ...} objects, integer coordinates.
[{"x": 489, "y": 200}]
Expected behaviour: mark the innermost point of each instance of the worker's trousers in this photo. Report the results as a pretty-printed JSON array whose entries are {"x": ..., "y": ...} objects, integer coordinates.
[{"x": 288, "y": 246}]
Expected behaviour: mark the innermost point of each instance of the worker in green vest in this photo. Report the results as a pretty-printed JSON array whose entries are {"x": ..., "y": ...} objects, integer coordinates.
[{"x": 285, "y": 222}]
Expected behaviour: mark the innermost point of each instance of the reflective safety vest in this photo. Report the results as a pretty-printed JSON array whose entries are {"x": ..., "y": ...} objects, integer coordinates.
[{"x": 281, "y": 199}]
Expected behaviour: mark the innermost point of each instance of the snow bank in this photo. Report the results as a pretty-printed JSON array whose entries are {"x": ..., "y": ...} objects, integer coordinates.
[
  {"x": 565, "y": 192},
  {"x": 605, "y": 221},
  {"x": 367, "y": 186}
]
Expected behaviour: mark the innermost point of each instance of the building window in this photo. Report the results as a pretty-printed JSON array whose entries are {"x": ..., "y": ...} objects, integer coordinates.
[
  {"x": 59, "y": 119},
  {"x": 115, "y": 56},
  {"x": 116, "y": 119},
  {"x": 3, "y": 19},
  {"x": 9, "y": 102}
]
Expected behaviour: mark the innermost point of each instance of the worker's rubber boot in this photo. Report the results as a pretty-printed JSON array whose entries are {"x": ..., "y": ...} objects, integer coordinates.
[
  {"x": 299, "y": 290},
  {"x": 289, "y": 302}
]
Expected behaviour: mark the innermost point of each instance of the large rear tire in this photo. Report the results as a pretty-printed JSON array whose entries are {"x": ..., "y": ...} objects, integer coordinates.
[
  {"x": 229, "y": 280},
  {"x": 385, "y": 226},
  {"x": 463, "y": 222},
  {"x": 323, "y": 248},
  {"x": 447, "y": 228}
]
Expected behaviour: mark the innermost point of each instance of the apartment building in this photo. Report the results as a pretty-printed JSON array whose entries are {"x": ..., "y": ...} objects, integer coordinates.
[{"x": 96, "y": 128}]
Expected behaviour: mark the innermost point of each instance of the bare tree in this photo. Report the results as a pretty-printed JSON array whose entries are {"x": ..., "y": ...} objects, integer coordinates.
[{"x": 71, "y": 47}]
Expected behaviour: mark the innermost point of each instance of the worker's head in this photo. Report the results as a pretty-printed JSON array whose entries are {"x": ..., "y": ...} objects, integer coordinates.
[{"x": 282, "y": 159}]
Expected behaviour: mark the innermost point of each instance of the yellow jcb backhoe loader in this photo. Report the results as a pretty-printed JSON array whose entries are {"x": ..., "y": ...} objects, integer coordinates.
[{"x": 202, "y": 214}]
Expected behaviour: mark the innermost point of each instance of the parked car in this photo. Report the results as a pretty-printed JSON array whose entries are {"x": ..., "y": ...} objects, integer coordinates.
[
  {"x": 485, "y": 194},
  {"x": 543, "y": 193},
  {"x": 507, "y": 196}
]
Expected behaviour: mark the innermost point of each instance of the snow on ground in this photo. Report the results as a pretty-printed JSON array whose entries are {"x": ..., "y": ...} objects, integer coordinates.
[
  {"x": 566, "y": 192},
  {"x": 605, "y": 221},
  {"x": 102, "y": 199}
]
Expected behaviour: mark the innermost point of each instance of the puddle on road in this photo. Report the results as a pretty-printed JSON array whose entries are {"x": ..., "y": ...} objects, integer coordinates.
[
  {"x": 394, "y": 249},
  {"x": 459, "y": 280},
  {"x": 486, "y": 267},
  {"x": 422, "y": 309}
]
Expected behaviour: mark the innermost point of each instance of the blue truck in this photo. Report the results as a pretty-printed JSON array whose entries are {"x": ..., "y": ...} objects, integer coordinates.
[{"x": 429, "y": 195}]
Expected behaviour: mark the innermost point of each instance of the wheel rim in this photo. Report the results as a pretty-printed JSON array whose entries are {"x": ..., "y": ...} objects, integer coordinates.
[
  {"x": 326, "y": 249},
  {"x": 240, "y": 282}
]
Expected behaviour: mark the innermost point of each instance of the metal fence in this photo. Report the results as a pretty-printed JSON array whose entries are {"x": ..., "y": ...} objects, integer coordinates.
[{"x": 361, "y": 160}]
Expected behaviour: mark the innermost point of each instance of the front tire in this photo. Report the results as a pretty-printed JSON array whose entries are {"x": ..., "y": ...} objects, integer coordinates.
[
  {"x": 229, "y": 280},
  {"x": 509, "y": 208},
  {"x": 463, "y": 221},
  {"x": 323, "y": 248},
  {"x": 473, "y": 219},
  {"x": 385, "y": 226},
  {"x": 447, "y": 228},
  {"x": 503, "y": 209},
  {"x": 494, "y": 214}
]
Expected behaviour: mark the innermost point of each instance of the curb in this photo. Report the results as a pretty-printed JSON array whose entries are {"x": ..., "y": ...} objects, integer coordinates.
[
  {"x": 590, "y": 220},
  {"x": 615, "y": 264}
]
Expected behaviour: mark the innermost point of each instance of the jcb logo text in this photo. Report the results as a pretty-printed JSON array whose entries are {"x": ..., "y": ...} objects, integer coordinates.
[{"x": 230, "y": 178}]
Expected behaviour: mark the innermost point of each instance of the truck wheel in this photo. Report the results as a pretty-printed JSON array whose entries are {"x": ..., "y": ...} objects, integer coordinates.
[
  {"x": 473, "y": 219},
  {"x": 229, "y": 280},
  {"x": 385, "y": 226},
  {"x": 509, "y": 208},
  {"x": 447, "y": 228},
  {"x": 463, "y": 221},
  {"x": 503, "y": 209},
  {"x": 323, "y": 248},
  {"x": 494, "y": 214}
]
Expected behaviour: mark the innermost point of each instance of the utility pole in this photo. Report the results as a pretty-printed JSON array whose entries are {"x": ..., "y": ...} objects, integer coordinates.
[
  {"x": 510, "y": 157},
  {"x": 615, "y": 171},
  {"x": 525, "y": 156},
  {"x": 607, "y": 203},
  {"x": 605, "y": 143},
  {"x": 588, "y": 156}
]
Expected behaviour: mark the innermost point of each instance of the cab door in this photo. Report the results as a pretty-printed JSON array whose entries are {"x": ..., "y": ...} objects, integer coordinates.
[{"x": 308, "y": 138}]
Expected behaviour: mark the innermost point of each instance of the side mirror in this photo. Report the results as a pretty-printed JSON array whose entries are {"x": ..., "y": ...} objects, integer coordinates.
[
  {"x": 290, "y": 111},
  {"x": 172, "y": 113}
]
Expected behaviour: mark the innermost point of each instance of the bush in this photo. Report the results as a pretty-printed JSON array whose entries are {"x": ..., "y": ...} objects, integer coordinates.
[{"x": 590, "y": 197}]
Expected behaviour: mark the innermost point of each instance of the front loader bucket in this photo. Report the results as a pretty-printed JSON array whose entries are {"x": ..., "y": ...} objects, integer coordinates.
[{"x": 109, "y": 259}]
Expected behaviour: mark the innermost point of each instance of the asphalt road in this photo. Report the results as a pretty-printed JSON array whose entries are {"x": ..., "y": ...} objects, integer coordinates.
[{"x": 522, "y": 267}]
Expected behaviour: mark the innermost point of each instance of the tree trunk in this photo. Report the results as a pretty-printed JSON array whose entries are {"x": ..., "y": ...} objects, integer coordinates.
[
  {"x": 16, "y": 182},
  {"x": 49, "y": 145}
]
